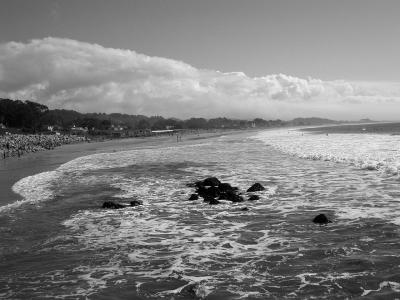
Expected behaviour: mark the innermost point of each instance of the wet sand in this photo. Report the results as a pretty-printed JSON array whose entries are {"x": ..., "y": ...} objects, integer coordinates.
[{"x": 14, "y": 169}]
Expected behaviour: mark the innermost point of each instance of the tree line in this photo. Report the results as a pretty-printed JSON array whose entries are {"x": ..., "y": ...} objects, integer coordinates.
[{"x": 31, "y": 117}]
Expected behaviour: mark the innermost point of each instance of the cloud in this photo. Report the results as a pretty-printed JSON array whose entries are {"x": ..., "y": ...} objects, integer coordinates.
[{"x": 64, "y": 73}]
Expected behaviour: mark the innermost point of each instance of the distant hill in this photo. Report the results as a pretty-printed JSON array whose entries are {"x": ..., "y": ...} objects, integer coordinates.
[
  {"x": 30, "y": 116},
  {"x": 313, "y": 121}
]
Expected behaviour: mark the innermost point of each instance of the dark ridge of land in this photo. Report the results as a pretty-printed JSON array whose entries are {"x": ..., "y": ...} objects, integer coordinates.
[
  {"x": 17, "y": 116},
  {"x": 380, "y": 128},
  {"x": 312, "y": 121}
]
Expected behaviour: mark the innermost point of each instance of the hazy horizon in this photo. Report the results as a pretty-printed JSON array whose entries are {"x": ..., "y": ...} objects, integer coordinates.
[{"x": 268, "y": 59}]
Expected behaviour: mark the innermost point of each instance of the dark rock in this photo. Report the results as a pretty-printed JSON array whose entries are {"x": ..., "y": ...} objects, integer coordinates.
[
  {"x": 244, "y": 209},
  {"x": 199, "y": 184},
  {"x": 194, "y": 197},
  {"x": 237, "y": 198},
  {"x": 211, "y": 181},
  {"x": 256, "y": 188},
  {"x": 232, "y": 196},
  {"x": 224, "y": 187},
  {"x": 208, "y": 198},
  {"x": 201, "y": 191},
  {"x": 254, "y": 197},
  {"x": 213, "y": 191},
  {"x": 214, "y": 201},
  {"x": 112, "y": 205},
  {"x": 321, "y": 219},
  {"x": 208, "y": 192},
  {"x": 223, "y": 196},
  {"x": 136, "y": 202}
]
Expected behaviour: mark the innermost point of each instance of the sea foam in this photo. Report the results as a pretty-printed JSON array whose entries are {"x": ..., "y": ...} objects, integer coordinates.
[{"x": 365, "y": 151}]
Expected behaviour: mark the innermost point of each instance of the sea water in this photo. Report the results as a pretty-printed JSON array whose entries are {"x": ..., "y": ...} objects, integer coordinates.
[{"x": 57, "y": 241}]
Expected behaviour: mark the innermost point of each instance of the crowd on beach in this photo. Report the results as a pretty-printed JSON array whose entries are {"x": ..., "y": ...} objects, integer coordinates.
[{"x": 19, "y": 144}]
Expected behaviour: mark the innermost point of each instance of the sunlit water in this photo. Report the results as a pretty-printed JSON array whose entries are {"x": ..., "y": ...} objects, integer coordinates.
[{"x": 58, "y": 243}]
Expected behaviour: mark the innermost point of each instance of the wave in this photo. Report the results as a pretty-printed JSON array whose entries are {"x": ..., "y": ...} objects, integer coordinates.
[
  {"x": 33, "y": 189},
  {"x": 364, "y": 151}
]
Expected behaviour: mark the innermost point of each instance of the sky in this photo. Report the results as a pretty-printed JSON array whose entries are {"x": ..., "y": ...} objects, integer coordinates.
[{"x": 183, "y": 58}]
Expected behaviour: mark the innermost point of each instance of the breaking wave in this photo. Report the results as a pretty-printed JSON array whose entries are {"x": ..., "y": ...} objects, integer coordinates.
[{"x": 364, "y": 151}]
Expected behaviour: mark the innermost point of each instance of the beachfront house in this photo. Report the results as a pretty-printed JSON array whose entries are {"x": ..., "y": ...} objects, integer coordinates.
[{"x": 79, "y": 130}]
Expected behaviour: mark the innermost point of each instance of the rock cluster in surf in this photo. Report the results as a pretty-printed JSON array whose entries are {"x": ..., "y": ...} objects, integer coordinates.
[{"x": 212, "y": 190}]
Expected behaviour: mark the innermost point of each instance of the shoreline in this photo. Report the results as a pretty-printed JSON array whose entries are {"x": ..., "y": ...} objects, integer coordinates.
[{"x": 15, "y": 168}]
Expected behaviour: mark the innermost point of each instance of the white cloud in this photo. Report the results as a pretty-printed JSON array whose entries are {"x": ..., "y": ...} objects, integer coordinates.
[{"x": 64, "y": 73}]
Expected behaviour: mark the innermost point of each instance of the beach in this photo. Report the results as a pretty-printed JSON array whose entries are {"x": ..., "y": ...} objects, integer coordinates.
[{"x": 59, "y": 242}]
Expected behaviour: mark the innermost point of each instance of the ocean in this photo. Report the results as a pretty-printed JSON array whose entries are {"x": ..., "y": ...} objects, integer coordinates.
[{"x": 57, "y": 241}]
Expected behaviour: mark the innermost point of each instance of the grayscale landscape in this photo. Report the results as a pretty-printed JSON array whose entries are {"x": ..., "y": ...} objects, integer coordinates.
[{"x": 182, "y": 149}]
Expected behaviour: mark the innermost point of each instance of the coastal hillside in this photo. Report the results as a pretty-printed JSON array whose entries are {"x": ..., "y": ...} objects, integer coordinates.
[
  {"x": 31, "y": 117},
  {"x": 312, "y": 121}
]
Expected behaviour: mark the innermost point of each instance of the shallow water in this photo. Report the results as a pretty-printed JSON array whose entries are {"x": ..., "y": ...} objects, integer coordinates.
[{"x": 60, "y": 244}]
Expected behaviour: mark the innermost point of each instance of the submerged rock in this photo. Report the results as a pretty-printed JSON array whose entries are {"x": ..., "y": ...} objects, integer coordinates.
[
  {"x": 194, "y": 197},
  {"x": 244, "y": 209},
  {"x": 254, "y": 197},
  {"x": 256, "y": 187},
  {"x": 112, "y": 205},
  {"x": 321, "y": 219},
  {"x": 136, "y": 202}
]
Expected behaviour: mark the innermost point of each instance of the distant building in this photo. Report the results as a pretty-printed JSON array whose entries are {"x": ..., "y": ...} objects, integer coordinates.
[
  {"x": 166, "y": 131},
  {"x": 118, "y": 127},
  {"x": 79, "y": 130}
]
